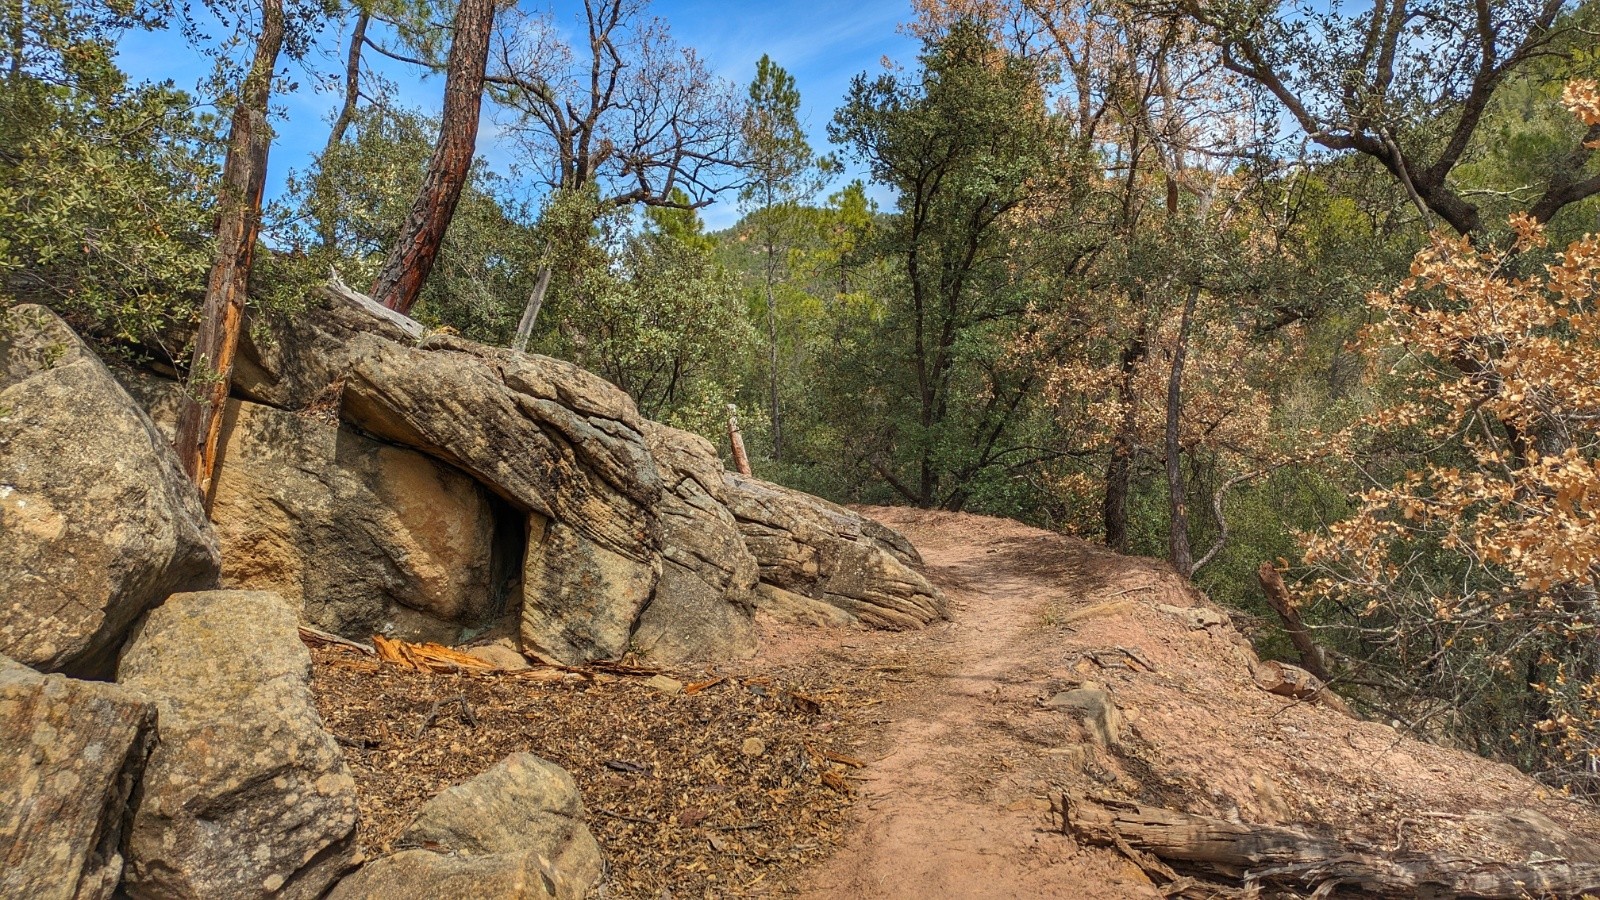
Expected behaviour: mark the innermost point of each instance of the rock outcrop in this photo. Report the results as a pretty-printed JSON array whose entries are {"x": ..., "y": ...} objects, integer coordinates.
[
  {"x": 702, "y": 606},
  {"x": 814, "y": 552},
  {"x": 611, "y": 534},
  {"x": 70, "y": 752},
  {"x": 245, "y": 794},
  {"x": 516, "y": 831},
  {"x": 97, "y": 521},
  {"x": 363, "y": 537}
]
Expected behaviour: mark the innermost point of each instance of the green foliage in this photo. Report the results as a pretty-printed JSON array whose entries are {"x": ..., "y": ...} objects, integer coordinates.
[{"x": 105, "y": 188}]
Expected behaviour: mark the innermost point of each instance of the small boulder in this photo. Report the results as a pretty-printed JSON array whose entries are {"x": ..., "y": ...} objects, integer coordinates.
[
  {"x": 70, "y": 753},
  {"x": 443, "y": 876},
  {"x": 1093, "y": 707},
  {"x": 518, "y": 829},
  {"x": 245, "y": 795},
  {"x": 97, "y": 521}
]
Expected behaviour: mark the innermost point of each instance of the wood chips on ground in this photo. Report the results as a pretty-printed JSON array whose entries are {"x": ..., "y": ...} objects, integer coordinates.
[{"x": 716, "y": 791}]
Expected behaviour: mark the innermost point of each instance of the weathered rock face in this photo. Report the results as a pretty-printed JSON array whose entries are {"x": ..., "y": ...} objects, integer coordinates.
[
  {"x": 634, "y": 540},
  {"x": 516, "y": 831},
  {"x": 363, "y": 537},
  {"x": 97, "y": 521},
  {"x": 552, "y": 439},
  {"x": 809, "y": 548},
  {"x": 70, "y": 752},
  {"x": 441, "y": 876},
  {"x": 245, "y": 794},
  {"x": 702, "y": 607}
]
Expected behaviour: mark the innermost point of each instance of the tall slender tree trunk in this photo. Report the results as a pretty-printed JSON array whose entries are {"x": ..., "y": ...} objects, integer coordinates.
[
  {"x": 244, "y": 175},
  {"x": 417, "y": 246},
  {"x": 772, "y": 354},
  {"x": 1178, "y": 525},
  {"x": 347, "y": 111},
  {"x": 530, "y": 313},
  {"x": 1119, "y": 471}
]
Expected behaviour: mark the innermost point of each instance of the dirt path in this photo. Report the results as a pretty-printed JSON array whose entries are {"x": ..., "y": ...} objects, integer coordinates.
[
  {"x": 954, "y": 802},
  {"x": 957, "y": 805}
]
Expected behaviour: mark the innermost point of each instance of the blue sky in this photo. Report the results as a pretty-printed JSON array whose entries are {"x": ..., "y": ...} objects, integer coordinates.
[{"x": 823, "y": 43}]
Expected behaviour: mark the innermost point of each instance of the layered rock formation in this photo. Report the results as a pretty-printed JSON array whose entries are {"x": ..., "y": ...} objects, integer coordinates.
[
  {"x": 97, "y": 521},
  {"x": 820, "y": 561},
  {"x": 630, "y": 538},
  {"x": 363, "y": 537}
]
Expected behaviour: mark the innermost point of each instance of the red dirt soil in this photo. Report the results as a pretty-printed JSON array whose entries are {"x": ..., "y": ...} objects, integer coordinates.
[{"x": 957, "y": 802}]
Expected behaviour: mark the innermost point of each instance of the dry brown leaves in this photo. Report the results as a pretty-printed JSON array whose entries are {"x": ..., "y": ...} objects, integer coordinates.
[{"x": 722, "y": 789}]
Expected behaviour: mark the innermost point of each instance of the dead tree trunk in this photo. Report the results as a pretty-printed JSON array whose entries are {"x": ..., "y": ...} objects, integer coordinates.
[
  {"x": 741, "y": 460},
  {"x": 244, "y": 175},
  {"x": 347, "y": 111},
  {"x": 417, "y": 246},
  {"x": 530, "y": 313},
  {"x": 1178, "y": 525},
  {"x": 1297, "y": 858},
  {"x": 1312, "y": 657}
]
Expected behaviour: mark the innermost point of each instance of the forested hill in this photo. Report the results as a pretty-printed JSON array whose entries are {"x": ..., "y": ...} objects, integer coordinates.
[{"x": 1300, "y": 299}]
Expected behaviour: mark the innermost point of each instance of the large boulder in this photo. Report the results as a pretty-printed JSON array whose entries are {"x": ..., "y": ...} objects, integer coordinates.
[
  {"x": 559, "y": 444},
  {"x": 97, "y": 521},
  {"x": 245, "y": 795},
  {"x": 702, "y": 608},
  {"x": 70, "y": 753},
  {"x": 516, "y": 831},
  {"x": 362, "y": 536},
  {"x": 814, "y": 552}
]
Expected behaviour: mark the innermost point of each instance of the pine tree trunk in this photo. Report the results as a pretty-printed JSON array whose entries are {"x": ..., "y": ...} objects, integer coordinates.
[
  {"x": 244, "y": 175},
  {"x": 1178, "y": 525},
  {"x": 400, "y": 282}
]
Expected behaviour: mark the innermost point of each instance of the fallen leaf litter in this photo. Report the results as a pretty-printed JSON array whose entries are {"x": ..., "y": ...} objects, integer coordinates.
[{"x": 679, "y": 803}]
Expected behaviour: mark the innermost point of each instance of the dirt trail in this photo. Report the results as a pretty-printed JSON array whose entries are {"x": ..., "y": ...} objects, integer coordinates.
[
  {"x": 952, "y": 809},
  {"x": 954, "y": 802}
]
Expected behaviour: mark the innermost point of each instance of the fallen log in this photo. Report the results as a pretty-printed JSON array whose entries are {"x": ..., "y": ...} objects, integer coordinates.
[{"x": 1299, "y": 858}]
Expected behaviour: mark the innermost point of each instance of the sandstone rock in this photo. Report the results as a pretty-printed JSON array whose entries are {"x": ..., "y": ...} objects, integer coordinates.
[
  {"x": 522, "y": 805},
  {"x": 798, "y": 609},
  {"x": 703, "y": 604},
  {"x": 516, "y": 832},
  {"x": 441, "y": 876},
  {"x": 97, "y": 521},
  {"x": 502, "y": 654},
  {"x": 363, "y": 537},
  {"x": 245, "y": 794},
  {"x": 1094, "y": 708},
  {"x": 70, "y": 753},
  {"x": 558, "y": 443},
  {"x": 810, "y": 547}
]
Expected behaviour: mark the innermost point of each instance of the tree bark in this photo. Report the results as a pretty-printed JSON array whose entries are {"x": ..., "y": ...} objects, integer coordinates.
[
  {"x": 530, "y": 313},
  {"x": 1178, "y": 524},
  {"x": 1283, "y": 603},
  {"x": 1298, "y": 858},
  {"x": 416, "y": 247},
  {"x": 244, "y": 175}
]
